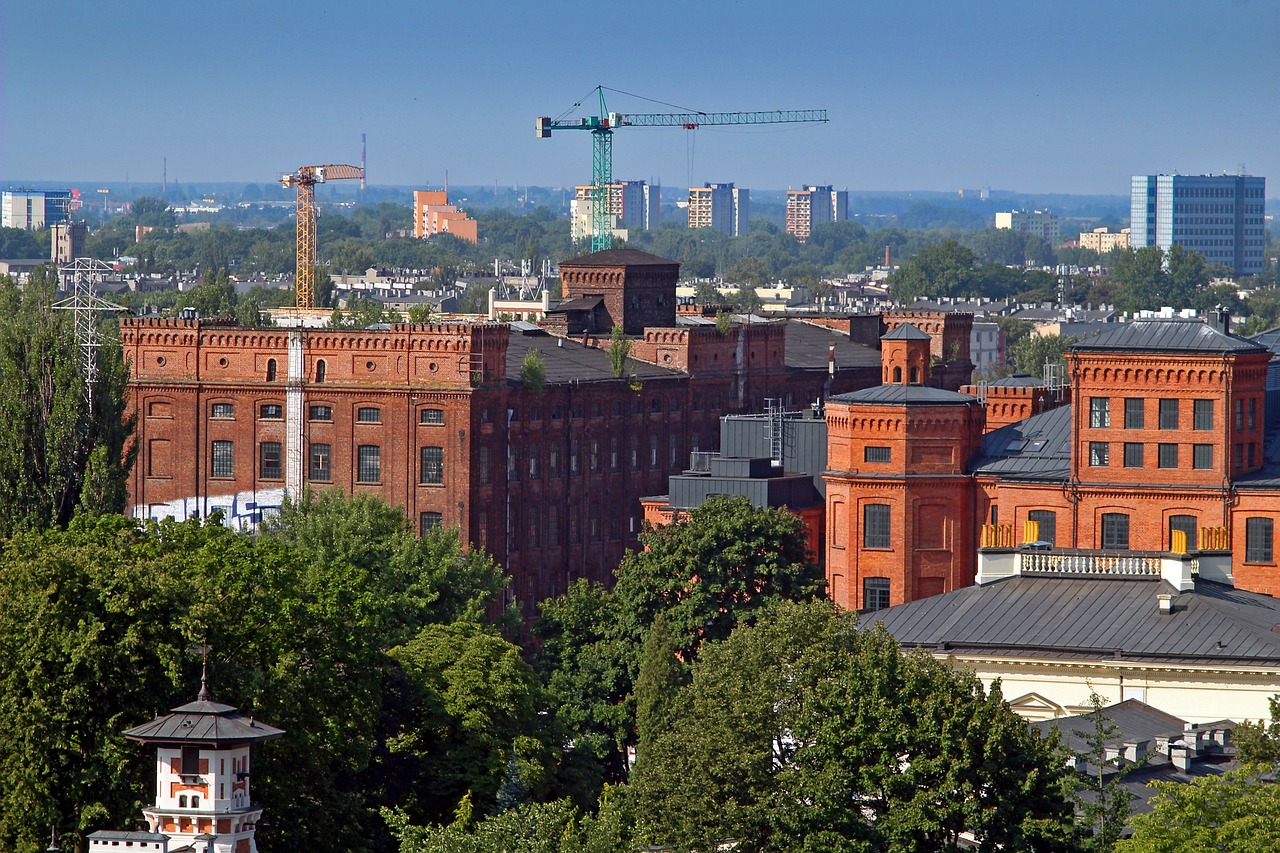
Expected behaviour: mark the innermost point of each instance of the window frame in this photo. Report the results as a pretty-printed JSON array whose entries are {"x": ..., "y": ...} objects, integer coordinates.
[
  {"x": 431, "y": 465},
  {"x": 1109, "y": 529},
  {"x": 230, "y": 461},
  {"x": 876, "y": 593},
  {"x": 1042, "y": 516},
  {"x": 270, "y": 412},
  {"x": 428, "y": 521},
  {"x": 1100, "y": 412},
  {"x": 1099, "y": 454},
  {"x": 431, "y": 417},
  {"x": 1170, "y": 413},
  {"x": 877, "y": 527},
  {"x": 876, "y": 454},
  {"x": 1167, "y": 455},
  {"x": 1135, "y": 414},
  {"x": 320, "y": 413},
  {"x": 368, "y": 415},
  {"x": 320, "y": 472},
  {"x": 1202, "y": 414},
  {"x": 222, "y": 411},
  {"x": 1253, "y": 551},
  {"x": 369, "y": 459},
  {"x": 1197, "y": 451},
  {"x": 276, "y": 450}
]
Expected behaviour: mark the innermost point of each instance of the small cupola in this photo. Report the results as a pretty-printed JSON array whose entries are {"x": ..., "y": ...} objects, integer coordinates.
[{"x": 905, "y": 356}]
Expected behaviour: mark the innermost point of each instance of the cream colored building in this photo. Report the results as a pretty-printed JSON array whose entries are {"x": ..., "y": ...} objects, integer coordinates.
[
  {"x": 1103, "y": 240},
  {"x": 1042, "y": 223}
]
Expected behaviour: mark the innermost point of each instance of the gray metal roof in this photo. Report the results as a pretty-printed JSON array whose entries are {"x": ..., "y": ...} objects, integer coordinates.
[
  {"x": 906, "y": 332},
  {"x": 117, "y": 835},
  {"x": 1038, "y": 448},
  {"x": 570, "y": 361},
  {"x": 580, "y": 303},
  {"x": 1134, "y": 722},
  {"x": 807, "y": 347},
  {"x": 203, "y": 721},
  {"x": 1176, "y": 335},
  {"x": 1093, "y": 617},
  {"x": 1017, "y": 380},
  {"x": 618, "y": 257},
  {"x": 905, "y": 395}
]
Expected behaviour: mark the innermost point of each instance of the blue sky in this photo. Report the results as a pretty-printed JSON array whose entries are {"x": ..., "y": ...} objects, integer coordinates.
[{"x": 1031, "y": 96}]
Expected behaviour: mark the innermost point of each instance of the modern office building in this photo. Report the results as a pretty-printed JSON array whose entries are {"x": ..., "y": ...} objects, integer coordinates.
[
  {"x": 723, "y": 207},
  {"x": 1220, "y": 216},
  {"x": 1042, "y": 223},
  {"x": 814, "y": 205},
  {"x": 32, "y": 209}
]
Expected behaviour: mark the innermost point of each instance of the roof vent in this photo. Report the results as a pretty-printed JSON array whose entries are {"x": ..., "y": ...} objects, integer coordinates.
[{"x": 1166, "y": 602}]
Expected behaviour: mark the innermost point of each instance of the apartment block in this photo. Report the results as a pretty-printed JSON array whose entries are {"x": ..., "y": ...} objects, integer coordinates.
[
  {"x": 724, "y": 207},
  {"x": 1103, "y": 240},
  {"x": 812, "y": 206},
  {"x": 1042, "y": 223},
  {"x": 433, "y": 214}
]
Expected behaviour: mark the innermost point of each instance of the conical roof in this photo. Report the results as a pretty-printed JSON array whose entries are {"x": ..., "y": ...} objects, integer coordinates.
[
  {"x": 203, "y": 721},
  {"x": 906, "y": 332}
]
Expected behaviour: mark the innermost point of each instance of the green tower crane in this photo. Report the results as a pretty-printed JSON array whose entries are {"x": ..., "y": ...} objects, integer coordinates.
[{"x": 602, "y": 126}]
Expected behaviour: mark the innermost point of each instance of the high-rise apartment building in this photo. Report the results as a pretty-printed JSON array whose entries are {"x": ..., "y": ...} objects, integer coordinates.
[
  {"x": 1219, "y": 216},
  {"x": 814, "y": 205},
  {"x": 632, "y": 204},
  {"x": 1042, "y": 223},
  {"x": 723, "y": 207},
  {"x": 433, "y": 214},
  {"x": 32, "y": 209}
]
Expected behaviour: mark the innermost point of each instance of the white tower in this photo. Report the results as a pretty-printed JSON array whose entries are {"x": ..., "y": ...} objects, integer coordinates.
[{"x": 202, "y": 776}]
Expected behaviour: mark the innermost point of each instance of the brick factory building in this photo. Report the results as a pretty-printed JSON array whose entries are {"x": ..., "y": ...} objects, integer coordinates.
[
  {"x": 1161, "y": 448},
  {"x": 433, "y": 417}
]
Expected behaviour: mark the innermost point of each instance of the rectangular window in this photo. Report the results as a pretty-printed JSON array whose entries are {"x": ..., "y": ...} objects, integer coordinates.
[
  {"x": 875, "y": 593},
  {"x": 1257, "y": 540},
  {"x": 482, "y": 462},
  {"x": 1168, "y": 414},
  {"x": 1202, "y": 417},
  {"x": 1134, "y": 416},
  {"x": 877, "y": 454},
  {"x": 1239, "y": 414},
  {"x": 320, "y": 463},
  {"x": 1185, "y": 523},
  {"x": 1251, "y": 446},
  {"x": 1099, "y": 453},
  {"x": 369, "y": 415},
  {"x": 1099, "y": 412},
  {"x": 431, "y": 416},
  {"x": 653, "y": 450},
  {"x": 615, "y": 457},
  {"x": 1239, "y": 456},
  {"x": 1202, "y": 456},
  {"x": 271, "y": 412},
  {"x": 270, "y": 453},
  {"x": 673, "y": 450},
  {"x": 320, "y": 413},
  {"x": 595, "y": 457},
  {"x": 223, "y": 459},
  {"x": 535, "y": 452},
  {"x": 553, "y": 527},
  {"x": 1168, "y": 456},
  {"x": 1048, "y": 521},
  {"x": 432, "y": 465},
  {"x": 513, "y": 465},
  {"x": 428, "y": 521},
  {"x": 574, "y": 453},
  {"x": 1115, "y": 531},
  {"x": 223, "y": 410},
  {"x": 1253, "y": 413},
  {"x": 875, "y": 526},
  {"x": 369, "y": 464},
  {"x": 553, "y": 462},
  {"x": 1133, "y": 454},
  {"x": 635, "y": 453}
]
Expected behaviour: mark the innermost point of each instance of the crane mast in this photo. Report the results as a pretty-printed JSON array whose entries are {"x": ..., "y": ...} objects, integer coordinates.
[
  {"x": 305, "y": 180},
  {"x": 601, "y": 127}
]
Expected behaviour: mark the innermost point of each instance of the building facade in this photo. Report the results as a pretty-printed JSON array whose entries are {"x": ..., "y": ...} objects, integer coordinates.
[
  {"x": 1042, "y": 223},
  {"x": 32, "y": 209},
  {"x": 67, "y": 242},
  {"x": 1103, "y": 240},
  {"x": 1158, "y": 447},
  {"x": 1220, "y": 216},
  {"x": 433, "y": 214},
  {"x": 812, "y": 206},
  {"x": 724, "y": 207}
]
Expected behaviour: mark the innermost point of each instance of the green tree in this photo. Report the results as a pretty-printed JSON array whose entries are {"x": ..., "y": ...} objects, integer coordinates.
[
  {"x": 619, "y": 352},
  {"x": 152, "y": 212},
  {"x": 1235, "y": 811},
  {"x": 1105, "y": 809},
  {"x": 1258, "y": 741},
  {"x": 420, "y": 312},
  {"x": 1138, "y": 277},
  {"x": 938, "y": 269},
  {"x": 533, "y": 373},
  {"x": 1031, "y": 353},
  {"x": 58, "y": 454},
  {"x": 706, "y": 293},
  {"x": 748, "y": 272}
]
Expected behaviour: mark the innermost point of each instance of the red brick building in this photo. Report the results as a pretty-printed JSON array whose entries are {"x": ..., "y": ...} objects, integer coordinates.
[
  {"x": 433, "y": 418},
  {"x": 1163, "y": 439}
]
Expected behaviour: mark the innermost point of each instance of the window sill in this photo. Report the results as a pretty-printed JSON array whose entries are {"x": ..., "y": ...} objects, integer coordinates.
[{"x": 431, "y": 485}]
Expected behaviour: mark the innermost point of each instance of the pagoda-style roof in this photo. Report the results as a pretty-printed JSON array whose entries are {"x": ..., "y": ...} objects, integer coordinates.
[{"x": 203, "y": 722}]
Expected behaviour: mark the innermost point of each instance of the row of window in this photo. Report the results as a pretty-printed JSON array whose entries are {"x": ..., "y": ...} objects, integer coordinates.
[
  {"x": 368, "y": 462},
  {"x": 877, "y": 532},
  {"x": 1167, "y": 455},
  {"x": 364, "y": 414},
  {"x": 527, "y": 462},
  {"x": 1202, "y": 413}
]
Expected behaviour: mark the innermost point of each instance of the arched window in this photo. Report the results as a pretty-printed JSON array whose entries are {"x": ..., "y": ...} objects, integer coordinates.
[
  {"x": 182, "y": 801},
  {"x": 897, "y": 374},
  {"x": 271, "y": 370},
  {"x": 195, "y": 801},
  {"x": 320, "y": 367}
]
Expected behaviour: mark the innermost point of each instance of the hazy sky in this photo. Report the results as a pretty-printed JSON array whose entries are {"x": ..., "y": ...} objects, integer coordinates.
[{"x": 923, "y": 94}]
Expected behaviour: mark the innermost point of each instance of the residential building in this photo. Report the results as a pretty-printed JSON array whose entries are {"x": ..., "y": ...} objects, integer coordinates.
[
  {"x": 724, "y": 207},
  {"x": 1042, "y": 223},
  {"x": 632, "y": 204},
  {"x": 433, "y": 214},
  {"x": 1103, "y": 240},
  {"x": 433, "y": 417},
  {"x": 812, "y": 206},
  {"x": 32, "y": 209},
  {"x": 67, "y": 242},
  {"x": 1159, "y": 448},
  {"x": 1220, "y": 216}
]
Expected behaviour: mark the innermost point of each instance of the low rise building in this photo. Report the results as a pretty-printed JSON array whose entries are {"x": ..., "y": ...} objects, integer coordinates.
[
  {"x": 1042, "y": 223},
  {"x": 1103, "y": 240}
]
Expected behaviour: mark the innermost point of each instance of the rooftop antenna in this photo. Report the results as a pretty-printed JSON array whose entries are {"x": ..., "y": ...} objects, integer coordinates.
[{"x": 203, "y": 649}]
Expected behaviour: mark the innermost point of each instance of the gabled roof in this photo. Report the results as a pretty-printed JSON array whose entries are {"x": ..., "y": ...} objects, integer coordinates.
[
  {"x": 906, "y": 332},
  {"x": 1175, "y": 335},
  {"x": 567, "y": 360},
  {"x": 203, "y": 722},
  {"x": 1093, "y": 617},
  {"x": 1038, "y": 448},
  {"x": 905, "y": 395},
  {"x": 618, "y": 257},
  {"x": 1134, "y": 722},
  {"x": 580, "y": 303}
]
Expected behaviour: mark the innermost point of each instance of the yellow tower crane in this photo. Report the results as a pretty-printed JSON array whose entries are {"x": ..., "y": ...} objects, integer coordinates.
[{"x": 305, "y": 179}]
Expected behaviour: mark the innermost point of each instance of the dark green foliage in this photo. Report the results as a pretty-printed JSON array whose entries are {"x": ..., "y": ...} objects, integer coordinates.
[
  {"x": 803, "y": 733},
  {"x": 1030, "y": 353},
  {"x": 1235, "y": 811},
  {"x": 1105, "y": 810},
  {"x": 56, "y": 456},
  {"x": 939, "y": 269},
  {"x": 1258, "y": 741}
]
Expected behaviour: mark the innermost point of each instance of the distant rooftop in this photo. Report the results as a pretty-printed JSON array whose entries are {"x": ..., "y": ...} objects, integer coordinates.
[{"x": 1175, "y": 335}]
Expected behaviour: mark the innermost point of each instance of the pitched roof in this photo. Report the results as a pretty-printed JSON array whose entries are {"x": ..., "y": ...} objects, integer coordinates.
[
  {"x": 1168, "y": 335},
  {"x": 203, "y": 722},
  {"x": 1017, "y": 380},
  {"x": 567, "y": 360},
  {"x": 1038, "y": 448},
  {"x": 580, "y": 303},
  {"x": 808, "y": 347},
  {"x": 1093, "y": 617},
  {"x": 905, "y": 395},
  {"x": 618, "y": 257},
  {"x": 906, "y": 332},
  {"x": 1134, "y": 721}
]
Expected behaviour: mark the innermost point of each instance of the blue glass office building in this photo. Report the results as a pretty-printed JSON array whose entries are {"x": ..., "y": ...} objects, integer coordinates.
[{"x": 1219, "y": 216}]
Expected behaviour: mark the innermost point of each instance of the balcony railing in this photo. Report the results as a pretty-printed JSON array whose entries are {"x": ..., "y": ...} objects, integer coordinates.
[
  {"x": 700, "y": 461},
  {"x": 1085, "y": 563}
]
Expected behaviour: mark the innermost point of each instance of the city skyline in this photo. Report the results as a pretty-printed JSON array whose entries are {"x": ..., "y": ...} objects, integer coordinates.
[{"x": 921, "y": 97}]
